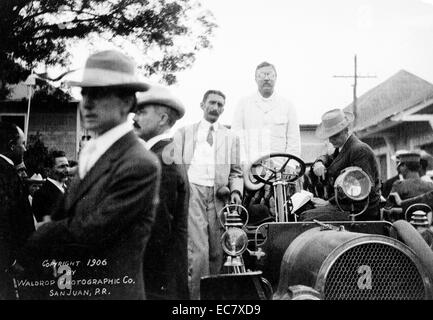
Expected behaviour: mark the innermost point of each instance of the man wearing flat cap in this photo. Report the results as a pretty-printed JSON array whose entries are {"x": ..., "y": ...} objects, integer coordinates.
[
  {"x": 109, "y": 209},
  {"x": 412, "y": 185},
  {"x": 165, "y": 261},
  {"x": 349, "y": 151}
]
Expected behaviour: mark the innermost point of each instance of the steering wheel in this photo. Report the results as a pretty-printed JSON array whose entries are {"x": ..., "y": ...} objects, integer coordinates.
[{"x": 266, "y": 169}]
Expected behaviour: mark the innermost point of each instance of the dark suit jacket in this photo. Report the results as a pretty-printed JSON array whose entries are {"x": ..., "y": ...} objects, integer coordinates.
[
  {"x": 355, "y": 153},
  {"x": 409, "y": 188},
  {"x": 16, "y": 221},
  {"x": 45, "y": 200},
  {"x": 387, "y": 185},
  {"x": 166, "y": 257},
  {"x": 426, "y": 198},
  {"x": 109, "y": 214}
]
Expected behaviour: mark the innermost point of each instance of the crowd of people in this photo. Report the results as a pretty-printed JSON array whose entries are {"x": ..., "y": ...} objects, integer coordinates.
[{"x": 144, "y": 199}]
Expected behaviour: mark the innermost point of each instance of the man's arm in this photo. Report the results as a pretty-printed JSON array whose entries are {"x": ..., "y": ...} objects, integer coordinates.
[
  {"x": 236, "y": 181},
  {"x": 239, "y": 129},
  {"x": 426, "y": 198},
  {"x": 365, "y": 159}
]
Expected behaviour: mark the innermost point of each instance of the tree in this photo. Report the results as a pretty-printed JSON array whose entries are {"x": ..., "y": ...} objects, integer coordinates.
[{"x": 168, "y": 33}]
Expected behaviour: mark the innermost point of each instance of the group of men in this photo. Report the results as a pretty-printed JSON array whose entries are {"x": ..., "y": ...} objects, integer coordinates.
[{"x": 145, "y": 200}]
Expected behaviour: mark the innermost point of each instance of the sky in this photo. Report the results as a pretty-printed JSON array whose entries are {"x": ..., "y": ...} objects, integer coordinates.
[{"x": 309, "y": 42}]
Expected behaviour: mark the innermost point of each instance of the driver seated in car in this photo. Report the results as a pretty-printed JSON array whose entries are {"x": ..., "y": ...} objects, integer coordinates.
[{"x": 349, "y": 151}]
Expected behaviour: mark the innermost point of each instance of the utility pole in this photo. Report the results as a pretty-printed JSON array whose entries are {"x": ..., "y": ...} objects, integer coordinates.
[{"x": 355, "y": 77}]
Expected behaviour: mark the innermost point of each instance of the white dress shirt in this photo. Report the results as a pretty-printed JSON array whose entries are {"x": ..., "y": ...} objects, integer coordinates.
[
  {"x": 95, "y": 148},
  {"x": 266, "y": 125},
  {"x": 202, "y": 168},
  {"x": 152, "y": 141}
]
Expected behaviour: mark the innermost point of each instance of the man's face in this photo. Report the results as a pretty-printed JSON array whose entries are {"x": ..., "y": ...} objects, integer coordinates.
[
  {"x": 213, "y": 107},
  {"x": 18, "y": 148},
  {"x": 59, "y": 171},
  {"x": 22, "y": 173},
  {"x": 33, "y": 188},
  {"x": 102, "y": 109},
  {"x": 338, "y": 139},
  {"x": 147, "y": 122},
  {"x": 265, "y": 79}
]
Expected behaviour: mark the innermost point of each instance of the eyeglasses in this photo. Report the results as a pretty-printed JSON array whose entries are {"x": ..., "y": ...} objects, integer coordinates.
[{"x": 264, "y": 75}]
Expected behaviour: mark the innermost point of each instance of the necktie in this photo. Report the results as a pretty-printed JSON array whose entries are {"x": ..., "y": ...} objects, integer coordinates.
[
  {"x": 336, "y": 152},
  {"x": 209, "y": 138}
]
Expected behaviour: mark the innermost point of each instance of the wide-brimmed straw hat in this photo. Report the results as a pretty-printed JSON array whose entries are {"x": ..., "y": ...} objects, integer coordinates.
[
  {"x": 159, "y": 95},
  {"x": 397, "y": 154},
  {"x": 333, "y": 122},
  {"x": 36, "y": 178},
  {"x": 110, "y": 68}
]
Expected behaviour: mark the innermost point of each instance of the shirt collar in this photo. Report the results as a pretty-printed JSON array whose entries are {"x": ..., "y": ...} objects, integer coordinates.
[
  {"x": 152, "y": 141},
  {"x": 57, "y": 184},
  {"x": 104, "y": 141},
  {"x": 206, "y": 124},
  {"x": 262, "y": 98},
  {"x": 7, "y": 159}
]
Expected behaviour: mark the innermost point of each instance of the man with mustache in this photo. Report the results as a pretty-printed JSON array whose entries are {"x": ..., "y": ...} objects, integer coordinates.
[
  {"x": 265, "y": 120},
  {"x": 266, "y": 123},
  {"x": 165, "y": 262},
  {"x": 52, "y": 190},
  {"x": 210, "y": 152}
]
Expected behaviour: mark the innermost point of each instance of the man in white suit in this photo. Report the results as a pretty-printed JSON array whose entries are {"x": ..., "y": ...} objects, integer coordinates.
[
  {"x": 265, "y": 121},
  {"x": 211, "y": 154}
]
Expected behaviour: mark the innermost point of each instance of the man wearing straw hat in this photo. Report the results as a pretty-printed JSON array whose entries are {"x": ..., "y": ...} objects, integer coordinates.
[
  {"x": 349, "y": 151},
  {"x": 166, "y": 258},
  {"x": 109, "y": 209}
]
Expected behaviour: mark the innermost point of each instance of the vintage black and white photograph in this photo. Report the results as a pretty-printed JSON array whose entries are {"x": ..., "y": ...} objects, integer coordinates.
[{"x": 233, "y": 152}]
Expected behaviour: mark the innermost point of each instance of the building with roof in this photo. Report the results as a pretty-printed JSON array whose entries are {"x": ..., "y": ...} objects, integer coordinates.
[
  {"x": 54, "y": 116},
  {"x": 396, "y": 114},
  {"x": 311, "y": 146}
]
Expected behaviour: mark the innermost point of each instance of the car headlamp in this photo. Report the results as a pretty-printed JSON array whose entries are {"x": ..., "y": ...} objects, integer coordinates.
[
  {"x": 234, "y": 241},
  {"x": 353, "y": 183}
]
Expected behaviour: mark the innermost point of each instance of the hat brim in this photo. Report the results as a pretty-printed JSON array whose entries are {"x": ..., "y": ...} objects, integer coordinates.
[
  {"x": 137, "y": 86},
  {"x": 169, "y": 103},
  {"x": 324, "y": 133},
  {"x": 35, "y": 181}
]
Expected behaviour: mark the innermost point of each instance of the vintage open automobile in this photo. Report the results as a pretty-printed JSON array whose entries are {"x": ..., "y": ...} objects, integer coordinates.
[{"x": 282, "y": 258}]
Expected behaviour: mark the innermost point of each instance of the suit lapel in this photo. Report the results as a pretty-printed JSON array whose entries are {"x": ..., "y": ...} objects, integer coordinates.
[
  {"x": 189, "y": 133},
  {"x": 160, "y": 145},
  {"x": 342, "y": 156},
  {"x": 101, "y": 166}
]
